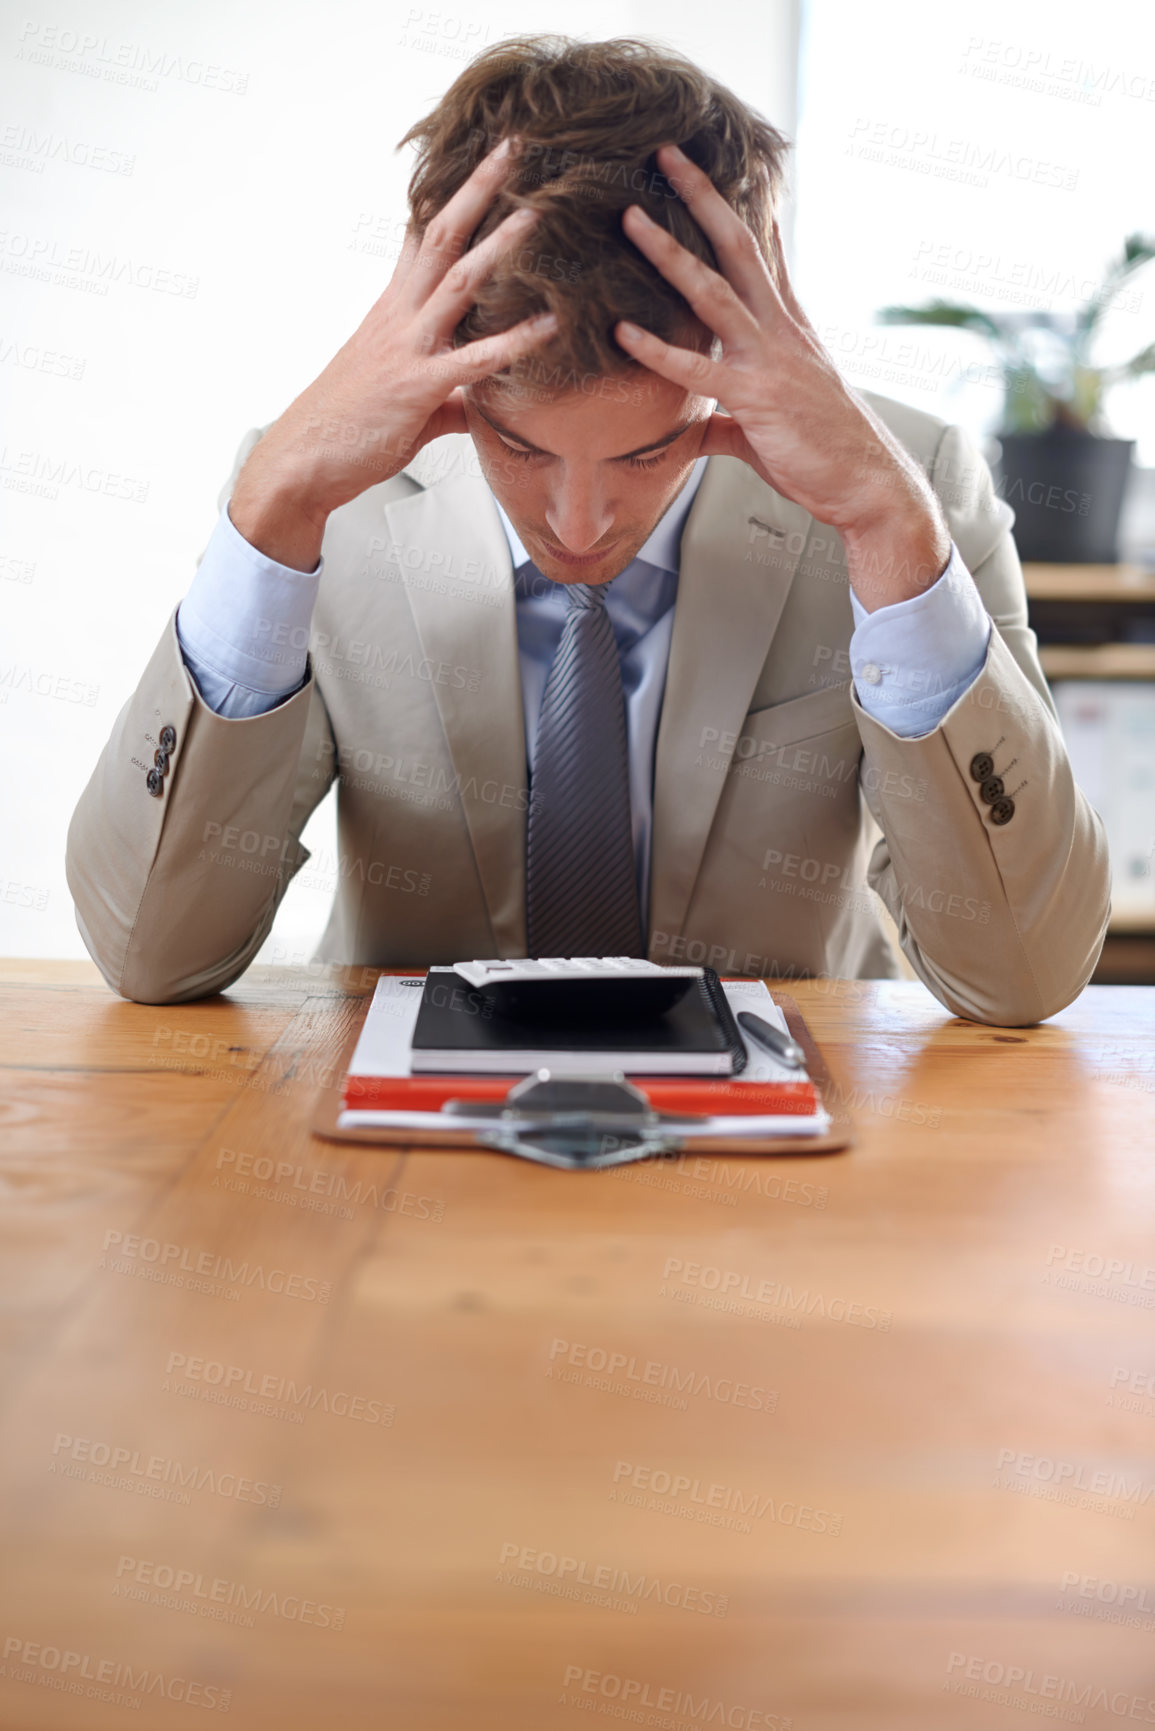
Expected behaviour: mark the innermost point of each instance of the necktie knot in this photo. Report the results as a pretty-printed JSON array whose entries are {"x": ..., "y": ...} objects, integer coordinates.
[{"x": 585, "y": 597}]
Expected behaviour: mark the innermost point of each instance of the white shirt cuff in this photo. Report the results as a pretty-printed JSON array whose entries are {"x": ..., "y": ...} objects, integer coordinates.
[
  {"x": 913, "y": 660},
  {"x": 246, "y": 617}
]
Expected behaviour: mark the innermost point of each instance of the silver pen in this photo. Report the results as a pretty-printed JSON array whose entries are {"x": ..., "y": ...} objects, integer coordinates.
[{"x": 769, "y": 1037}]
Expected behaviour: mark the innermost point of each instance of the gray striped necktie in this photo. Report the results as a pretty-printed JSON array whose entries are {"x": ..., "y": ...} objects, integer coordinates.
[{"x": 581, "y": 880}]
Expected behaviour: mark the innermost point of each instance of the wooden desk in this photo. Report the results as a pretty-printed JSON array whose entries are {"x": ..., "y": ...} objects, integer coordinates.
[{"x": 908, "y": 1390}]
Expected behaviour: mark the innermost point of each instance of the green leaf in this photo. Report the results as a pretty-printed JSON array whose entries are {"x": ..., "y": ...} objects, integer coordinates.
[
  {"x": 1044, "y": 355},
  {"x": 947, "y": 313},
  {"x": 1029, "y": 406},
  {"x": 1138, "y": 249},
  {"x": 1143, "y": 362}
]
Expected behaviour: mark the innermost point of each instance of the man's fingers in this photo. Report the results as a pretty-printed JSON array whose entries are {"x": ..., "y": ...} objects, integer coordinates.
[
  {"x": 449, "y": 418},
  {"x": 734, "y": 244},
  {"x": 712, "y": 298},
  {"x": 786, "y": 287},
  {"x": 447, "y": 234},
  {"x": 456, "y": 291},
  {"x": 686, "y": 367},
  {"x": 723, "y": 437},
  {"x": 407, "y": 257},
  {"x": 488, "y": 355}
]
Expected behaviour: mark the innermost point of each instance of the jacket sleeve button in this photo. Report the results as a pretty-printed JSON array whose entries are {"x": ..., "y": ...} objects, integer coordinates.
[
  {"x": 992, "y": 789},
  {"x": 167, "y": 737},
  {"x": 154, "y": 781},
  {"x": 160, "y": 758},
  {"x": 1003, "y": 810},
  {"x": 982, "y": 765}
]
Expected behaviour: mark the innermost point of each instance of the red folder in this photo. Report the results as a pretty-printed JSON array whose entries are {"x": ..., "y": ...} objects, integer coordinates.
[{"x": 689, "y": 1095}]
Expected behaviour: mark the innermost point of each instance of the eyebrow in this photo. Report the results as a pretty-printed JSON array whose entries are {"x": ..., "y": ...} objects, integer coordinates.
[{"x": 642, "y": 450}]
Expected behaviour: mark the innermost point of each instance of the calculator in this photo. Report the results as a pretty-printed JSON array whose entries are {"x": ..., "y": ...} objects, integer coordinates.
[{"x": 603, "y": 988}]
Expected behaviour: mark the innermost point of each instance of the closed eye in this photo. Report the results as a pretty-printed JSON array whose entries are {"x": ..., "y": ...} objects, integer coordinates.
[{"x": 633, "y": 462}]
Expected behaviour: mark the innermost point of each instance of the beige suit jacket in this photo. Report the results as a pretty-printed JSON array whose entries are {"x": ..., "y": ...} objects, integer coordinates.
[{"x": 779, "y": 804}]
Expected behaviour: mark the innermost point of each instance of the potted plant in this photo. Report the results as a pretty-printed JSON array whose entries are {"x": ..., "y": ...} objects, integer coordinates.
[{"x": 1062, "y": 473}]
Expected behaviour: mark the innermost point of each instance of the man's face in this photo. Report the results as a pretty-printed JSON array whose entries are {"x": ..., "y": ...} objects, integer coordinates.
[{"x": 586, "y": 476}]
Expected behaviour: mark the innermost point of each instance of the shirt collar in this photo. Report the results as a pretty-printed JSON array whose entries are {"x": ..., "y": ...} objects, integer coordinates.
[{"x": 663, "y": 545}]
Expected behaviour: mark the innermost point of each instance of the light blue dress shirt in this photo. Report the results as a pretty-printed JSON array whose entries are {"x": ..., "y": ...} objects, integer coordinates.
[{"x": 911, "y": 661}]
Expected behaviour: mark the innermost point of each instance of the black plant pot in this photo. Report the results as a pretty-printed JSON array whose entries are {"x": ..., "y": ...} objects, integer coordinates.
[{"x": 1066, "y": 489}]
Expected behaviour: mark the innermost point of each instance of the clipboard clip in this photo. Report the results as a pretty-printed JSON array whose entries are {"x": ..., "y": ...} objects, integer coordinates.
[{"x": 577, "y": 1123}]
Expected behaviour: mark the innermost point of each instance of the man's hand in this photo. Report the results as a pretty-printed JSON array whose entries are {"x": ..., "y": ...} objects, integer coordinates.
[
  {"x": 395, "y": 385},
  {"x": 789, "y": 413}
]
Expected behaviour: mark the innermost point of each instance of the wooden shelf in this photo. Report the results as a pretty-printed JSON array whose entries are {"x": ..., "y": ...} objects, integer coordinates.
[
  {"x": 1089, "y": 582},
  {"x": 1126, "y": 961},
  {"x": 1098, "y": 660},
  {"x": 1133, "y": 925},
  {"x": 1100, "y": 600}
]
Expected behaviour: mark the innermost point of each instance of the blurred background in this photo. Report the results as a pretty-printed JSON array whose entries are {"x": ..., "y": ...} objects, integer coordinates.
[{"x": 201, "y": 203}]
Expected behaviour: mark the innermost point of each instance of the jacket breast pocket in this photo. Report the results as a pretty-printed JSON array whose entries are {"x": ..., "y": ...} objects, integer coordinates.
[
  {"x": 793, "y": 778},
  {"x": 770, "y": 732}
]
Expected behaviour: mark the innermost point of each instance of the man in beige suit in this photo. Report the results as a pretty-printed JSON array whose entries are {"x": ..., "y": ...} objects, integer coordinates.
[{"x": 828, "y": 685}]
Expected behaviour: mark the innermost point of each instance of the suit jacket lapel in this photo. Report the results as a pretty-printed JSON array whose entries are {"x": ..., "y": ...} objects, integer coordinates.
[
  {"x": 472, "y": 630},
  {"x": 739, "y": 552},
  {"x": 740, "y": 549}
]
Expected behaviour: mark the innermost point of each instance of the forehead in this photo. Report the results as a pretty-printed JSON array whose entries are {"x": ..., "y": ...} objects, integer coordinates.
[{"x": 599, "y": 415}]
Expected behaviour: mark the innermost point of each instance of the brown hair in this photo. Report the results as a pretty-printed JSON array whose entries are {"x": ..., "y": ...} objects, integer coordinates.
[{"x": 591, "y": 116}]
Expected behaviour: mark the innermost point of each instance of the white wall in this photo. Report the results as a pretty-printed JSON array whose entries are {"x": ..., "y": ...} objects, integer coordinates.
[
  {"x": 994, "y": 153},
  {"x": 183, "y": 192}
]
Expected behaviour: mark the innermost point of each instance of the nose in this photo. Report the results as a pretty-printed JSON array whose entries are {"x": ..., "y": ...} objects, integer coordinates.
[{"x": 579, "y": 514}]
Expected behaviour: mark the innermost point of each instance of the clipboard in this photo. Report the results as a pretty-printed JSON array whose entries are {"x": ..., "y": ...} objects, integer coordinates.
[{"x": 442, "y": 1133}]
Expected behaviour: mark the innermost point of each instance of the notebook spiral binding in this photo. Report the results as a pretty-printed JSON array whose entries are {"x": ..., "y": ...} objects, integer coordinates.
[{"x": 720, "y": 1004}]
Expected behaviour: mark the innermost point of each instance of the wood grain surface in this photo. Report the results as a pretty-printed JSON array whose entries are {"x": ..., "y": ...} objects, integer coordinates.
[{"x": 312, "y": 1435}]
